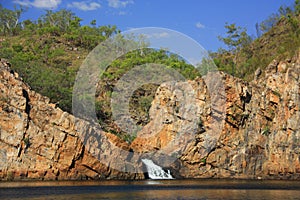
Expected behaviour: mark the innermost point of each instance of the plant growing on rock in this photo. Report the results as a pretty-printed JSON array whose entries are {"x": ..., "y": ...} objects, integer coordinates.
[
  {"x": 26, "y": 141},
  {"x": 203, "y": 160},
  {"x": 266, "y": 131}
]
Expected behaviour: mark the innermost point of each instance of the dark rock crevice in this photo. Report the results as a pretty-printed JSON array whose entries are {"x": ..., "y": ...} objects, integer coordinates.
[{"x": 27, "y": 105}]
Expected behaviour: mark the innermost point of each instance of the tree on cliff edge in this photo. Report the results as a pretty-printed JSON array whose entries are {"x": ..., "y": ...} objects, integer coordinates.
[{"x": 236, "y": 39}]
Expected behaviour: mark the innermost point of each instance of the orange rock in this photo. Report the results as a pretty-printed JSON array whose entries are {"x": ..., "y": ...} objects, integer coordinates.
[{"x": 258, "y": 138}]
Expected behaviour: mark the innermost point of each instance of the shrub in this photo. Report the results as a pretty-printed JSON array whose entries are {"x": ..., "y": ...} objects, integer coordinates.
[{"x": 266, "y": 131}]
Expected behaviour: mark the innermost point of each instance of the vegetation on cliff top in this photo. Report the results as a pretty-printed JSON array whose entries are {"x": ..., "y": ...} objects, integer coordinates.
[{"x": 278, "y": 37}]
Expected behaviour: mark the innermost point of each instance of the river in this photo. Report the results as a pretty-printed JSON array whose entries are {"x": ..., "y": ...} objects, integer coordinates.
[{"x": 151, "y": 189}]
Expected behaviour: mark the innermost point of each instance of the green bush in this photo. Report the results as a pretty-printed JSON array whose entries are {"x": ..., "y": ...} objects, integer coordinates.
[{"x": 17, "y": 48}]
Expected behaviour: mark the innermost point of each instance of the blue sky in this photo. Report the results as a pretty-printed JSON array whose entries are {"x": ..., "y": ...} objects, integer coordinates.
[{"x": 202, "y": 20}]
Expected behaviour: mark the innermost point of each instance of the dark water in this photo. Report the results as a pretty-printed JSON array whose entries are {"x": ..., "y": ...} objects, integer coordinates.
[{"x": 150, "y": 189}]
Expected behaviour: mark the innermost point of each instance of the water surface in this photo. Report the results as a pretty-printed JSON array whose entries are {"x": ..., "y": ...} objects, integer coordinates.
[{"x": 150, "y": 189}]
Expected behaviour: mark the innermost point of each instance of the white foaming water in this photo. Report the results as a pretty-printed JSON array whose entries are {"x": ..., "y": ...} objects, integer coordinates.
[{"x": 155, "y": 171}]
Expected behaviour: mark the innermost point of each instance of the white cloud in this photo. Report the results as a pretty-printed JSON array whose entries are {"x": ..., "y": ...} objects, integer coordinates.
[
  {"x": 161, "y": 35},
  {"x": 22, "y": 3},
  {"x": 119, "y": 3},
  {"x": 199, "y": 25},
  {"x": 158, "y": 35},
  {"x": 46, "y": 4},
  {"x": 85, "y": 6}
]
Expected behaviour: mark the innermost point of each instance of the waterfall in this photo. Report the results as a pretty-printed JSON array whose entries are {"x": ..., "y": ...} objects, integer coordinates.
[{"x": 155, "y": 171}]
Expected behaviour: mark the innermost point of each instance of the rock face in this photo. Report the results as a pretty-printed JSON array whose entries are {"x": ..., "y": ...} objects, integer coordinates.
[
  {"x": 259, "y": 136},
  {"x": 40, "y": 141}
]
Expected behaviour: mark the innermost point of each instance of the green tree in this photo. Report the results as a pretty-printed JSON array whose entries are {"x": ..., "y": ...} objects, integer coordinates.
[
  {"x": 270, "y": 22},
  {"x": 63, "y": 20},
  {"x": 284, "y": 11},
  {"x": 93, "y": 22},
  {"x": 236, "y": 38},
  {"x": 108, "y": 31},
  {"x": 293, "y": 18},
  {"x": 9, "y": 20},
  {"x": 297, "y": 7}
]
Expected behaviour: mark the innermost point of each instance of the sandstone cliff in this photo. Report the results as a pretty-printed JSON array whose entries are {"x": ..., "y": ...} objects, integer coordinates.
[
  {"x": 260, "y": 136},
  {"x": 40, "y": 141}
]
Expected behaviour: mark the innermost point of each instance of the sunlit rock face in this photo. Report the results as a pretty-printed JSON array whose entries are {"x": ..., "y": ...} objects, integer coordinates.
[
  {"x": 40, "y": 141},
  {"x": 259, "y": 137}
]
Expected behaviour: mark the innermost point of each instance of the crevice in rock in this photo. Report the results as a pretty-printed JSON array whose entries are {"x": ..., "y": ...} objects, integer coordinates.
[
  {"x": 27, "y": 106},
  {"x": 72, "y": 164},
  {"x": 81, "y": 153},
  {"x": 232, "y": 124},
  {"x": 25, "y": 140},
  {"x": 90, "y": 168},
  {"x": 246, "y": 98}
]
